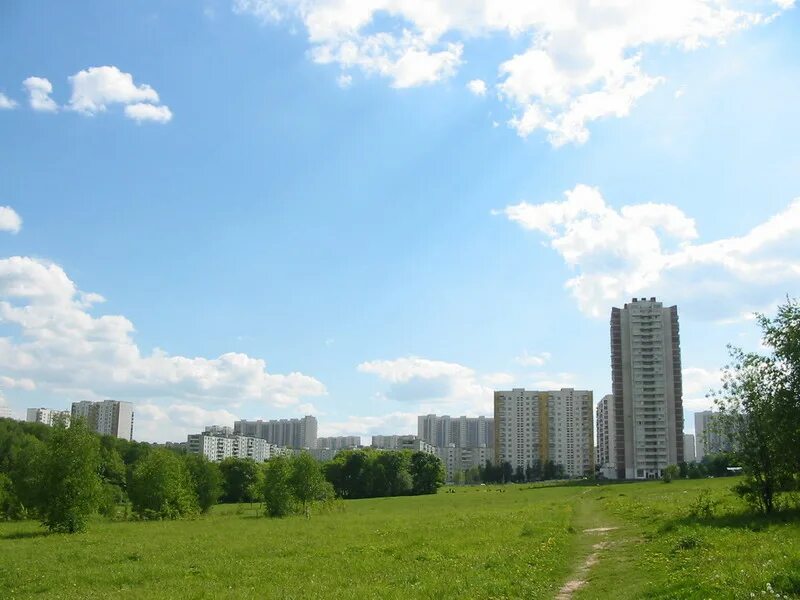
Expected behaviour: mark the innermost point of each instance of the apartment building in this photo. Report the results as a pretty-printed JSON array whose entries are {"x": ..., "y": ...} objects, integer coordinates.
[
  {"x": 287, "y": 433},
  {"x": 457, "y": 459},
  {"x": 543, "y": 426},
  {"x": 217, "y": 446},
  {"x": 402, "y": 442},
  {"x": 463, "y": 432},
  {"x": 708, "y": 439},
  {"x": 339, "y": 443},
  {"x": 689, "y": 448},
  {"x": 107, "y": 417},
  {"x": 647, "y": 388},
  {"x": 605, "y": 436},
  {"x": 48, "y": 416}
]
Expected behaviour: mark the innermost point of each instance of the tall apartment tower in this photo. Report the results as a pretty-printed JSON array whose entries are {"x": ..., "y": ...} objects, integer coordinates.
[
  {"x": 462, "y": 432},
  {"x": 647, "y": 388},
  {"x": 553, "y": 426},
  {"x": 287, "y": 433},
  {"x": 605, "y": 437},
  {"x": 708, "y": 439},
  {"x": 109, "y": 417}
]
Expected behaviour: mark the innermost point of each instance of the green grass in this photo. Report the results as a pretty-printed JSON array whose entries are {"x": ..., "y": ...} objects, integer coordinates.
[
  {"x": 480, "y": 542},
  {"x": 661, "y": 551}
]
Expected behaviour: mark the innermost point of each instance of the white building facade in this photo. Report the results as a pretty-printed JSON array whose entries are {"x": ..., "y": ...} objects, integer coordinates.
[
  {"x": 462, "y": 432},
  {"x": 689, "y": 449},
  {"x": 287, "y": 433},
  {"x": 605, "y": 436},
  {"x": 108, "y": 417},
  {"x": 48, "y": 416},
  {"x": 541, "y": 426},
  {"x": 338, "y": 443},
  {"x": 217, "y": 447}
]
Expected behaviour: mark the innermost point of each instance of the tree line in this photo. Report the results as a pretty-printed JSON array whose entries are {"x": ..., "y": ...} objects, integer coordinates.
[{"x": 62, "y": 476}]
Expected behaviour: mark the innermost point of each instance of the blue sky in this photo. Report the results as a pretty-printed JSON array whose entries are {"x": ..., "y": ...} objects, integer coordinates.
[{"x": 371, "y": 210}]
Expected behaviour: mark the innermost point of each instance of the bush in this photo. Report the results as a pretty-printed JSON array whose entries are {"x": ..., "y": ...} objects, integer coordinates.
[{"x": 161, "y": 487}]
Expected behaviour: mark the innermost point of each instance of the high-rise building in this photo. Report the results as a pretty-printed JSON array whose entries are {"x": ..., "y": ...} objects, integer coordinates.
[
  {"x": 108, "y": 417},
  {"x": 707, "y": 439},
  {"x": 5, "y": 412},
  {"x": 288, "y": 433},
  {"x": 402, "y": 442},
  {"x": 555, "y": 426},
  {"x": 48, "y": 416},
  {"x": 457, "y": 459},
  {"x": 462, "y": 432},
  {"x": 689, "y": 450},
  {"x": 647, "y": 388},
  {"x": 605, "y": 436},
  {"x": 338, "y": 443}
]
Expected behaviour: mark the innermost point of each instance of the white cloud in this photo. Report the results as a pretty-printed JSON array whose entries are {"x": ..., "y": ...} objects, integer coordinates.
[
  {"x": 394, "y": 423},
  {"x": 60, "y": 346},
  {"x": 533, "y": 360},
  {"x": 22, "y": 384},
  {"x": 6, "y": 103},
  {"x": 543, "y": 380},
  {"x": 697, "y": 382},
  {"x": 583, "y": 62},
  {"x": 95, "y": 88},
  {"x": 39, "y": 90},
  {"x": 648, "y": 249},
  {"x": 434, "y": 385},
  {"x": 344, "y": 80},
  {"x": 148, "y": 112},
  {"x": 9, "y": 220},
  {"x": 477, "y": 87}
]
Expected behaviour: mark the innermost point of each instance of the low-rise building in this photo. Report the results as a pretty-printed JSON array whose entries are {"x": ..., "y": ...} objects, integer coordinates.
[
  {"x": 218, "y": 446},
  {"x": 339, "y": 443}
]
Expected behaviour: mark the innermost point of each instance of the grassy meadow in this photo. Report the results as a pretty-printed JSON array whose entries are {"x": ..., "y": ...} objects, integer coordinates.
[{"x": 478, "y": 542}]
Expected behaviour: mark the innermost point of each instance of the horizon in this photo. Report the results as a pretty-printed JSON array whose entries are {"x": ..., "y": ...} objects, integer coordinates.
[{"x": 237, "y": 209}]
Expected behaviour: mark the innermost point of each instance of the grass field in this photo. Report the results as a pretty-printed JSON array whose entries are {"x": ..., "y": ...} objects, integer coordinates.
[{"x": 479, "y": 542}]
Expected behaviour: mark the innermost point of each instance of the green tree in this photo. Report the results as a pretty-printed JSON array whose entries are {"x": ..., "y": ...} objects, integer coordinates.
[
  {"x": 241, "y": 479},
  {"x": 670, "y": 473},
  {"x": 307, "y": 482},
  {"x": 427, "y": 473},
  {"x": 277, "y": 491},
  {"x": 760, "y": 409},
  {"x": 25, "y": 474},
  {"x": 70, "y": 485},
  {"x": 161, "y": 487},
  {"x": 206, "y": 479}
]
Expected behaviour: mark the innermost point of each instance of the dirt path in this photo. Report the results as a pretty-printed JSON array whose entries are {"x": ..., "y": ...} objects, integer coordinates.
[{"x": 580, "y": 577}]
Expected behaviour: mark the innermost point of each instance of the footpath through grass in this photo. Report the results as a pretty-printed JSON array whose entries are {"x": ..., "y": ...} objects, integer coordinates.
[
  {"x": 660, "y": 551},
  {"x": 479, "y": 542}
]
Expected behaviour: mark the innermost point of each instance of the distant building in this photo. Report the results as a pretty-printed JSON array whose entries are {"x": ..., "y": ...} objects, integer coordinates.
[
  {"x": 48, "y": 416},
  {"x": 5, "y": 412},
  {"x": 647, "y": 388},
  {"x": 339, "y": 443},
  {"x": 708, "y": 439},
  {"x": 402, "y": 442},
  {"x": 689, "y": 450},
  {"x": 320, "y": 454},
  {"x": 457, "y": 459},
  {"x": 462, "y": 432},
  {"x": 287, "y": 433},
  {"x": 555, "y": 426},
  {"x": 605, "y": 437},
  {"x": 219, "y": 446},
  {"x": 108, "y": 417}
]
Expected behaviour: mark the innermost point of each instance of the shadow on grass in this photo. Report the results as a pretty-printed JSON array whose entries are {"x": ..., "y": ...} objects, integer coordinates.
[
  {"x": 740, "y": 520},
  {"x": 22, "y": 535}
]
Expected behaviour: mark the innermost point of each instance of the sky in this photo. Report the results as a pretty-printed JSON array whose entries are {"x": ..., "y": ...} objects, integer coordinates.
[{"x": 368, "y": 210}]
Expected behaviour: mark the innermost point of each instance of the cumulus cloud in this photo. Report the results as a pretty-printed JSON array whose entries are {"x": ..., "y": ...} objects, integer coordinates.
[
  {"x": 435, "y": 386},
  {"x": 650, "y": 249},
  {"x": 148, "y": 112},
  {"x": 95, "y": 88},
  {"x": 584, "y": 60},
  {"x": 394, "y": 423},
  {"x": 9, "y": 220},
  {"x": 477, "y": 87},
  {"x": 39, "y": 90},
  {"x": 58, "y": 344},
  {"x": 533, "y": 360},
  {"x": 697, "y": 383},
  {"x": 6, "y": 103}
]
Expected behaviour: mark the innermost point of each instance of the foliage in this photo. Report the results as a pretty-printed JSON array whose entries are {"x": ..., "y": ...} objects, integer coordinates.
[
  {"x": 279, "y": 500},
  {"x": 307, "y": 482},
  {"x": 206, "y": 480},
  {"x": 241, "y": 480},
  {"x": 69, "y": 484},
  {"x": 670, "y": 472},
  {"x": 427, "y": 473},
  {"x": 161, "y": 487}
]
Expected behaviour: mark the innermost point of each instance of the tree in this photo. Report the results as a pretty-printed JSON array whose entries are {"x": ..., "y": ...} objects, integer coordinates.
[
  {"x": 760, "y": 409},
  {"x": 308, "y": 483},
  {"x": 161, "y": 487},
  {"x": 241, "y": 481},
  {"x": 277, "y": 490},
  {"x": 24, "y": 472},
  {"x": 427, "y": 473},
  {"x": 69, "y": 482},
  {"x": 206, "y": 479},
  {"x": 670, "y": 473}
]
